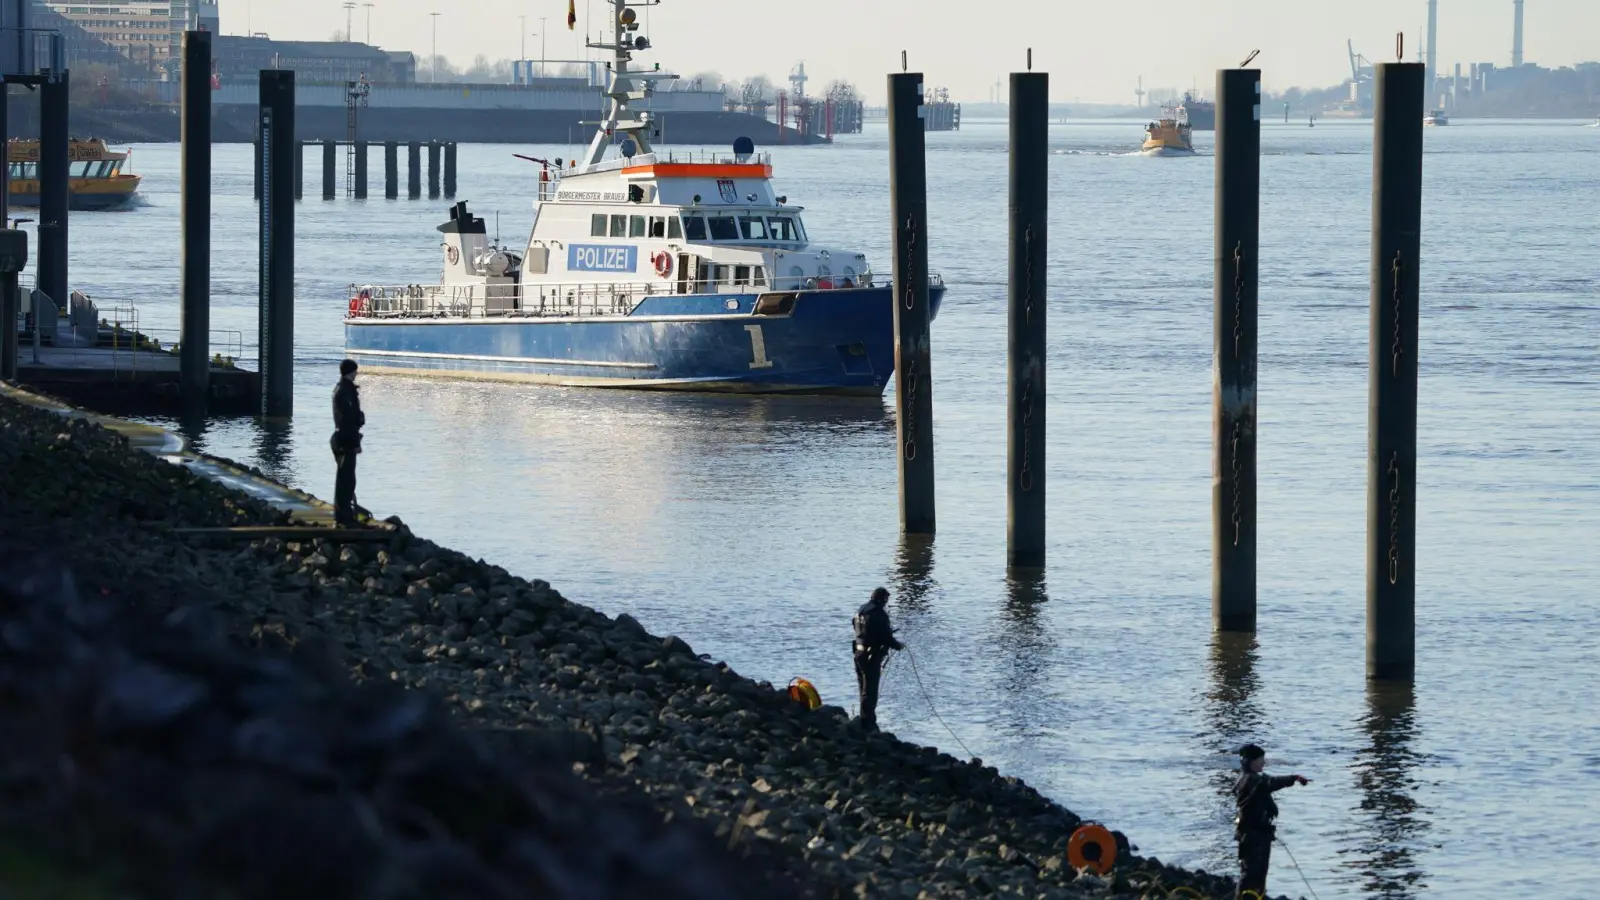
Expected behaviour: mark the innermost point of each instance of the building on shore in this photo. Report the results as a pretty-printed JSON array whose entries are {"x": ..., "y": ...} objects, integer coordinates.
[
  {"x": 146, "y": 33},
  {"x": 241, "y": 59}
]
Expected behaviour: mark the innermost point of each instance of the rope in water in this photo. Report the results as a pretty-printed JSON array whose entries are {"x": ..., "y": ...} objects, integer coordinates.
[
  {"x": 1298, "y": 869},
  {"x": 933, "y": 709}
]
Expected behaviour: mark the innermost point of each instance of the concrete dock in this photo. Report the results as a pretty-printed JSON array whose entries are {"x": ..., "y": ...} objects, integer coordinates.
[{"x": 129, "y": 381}]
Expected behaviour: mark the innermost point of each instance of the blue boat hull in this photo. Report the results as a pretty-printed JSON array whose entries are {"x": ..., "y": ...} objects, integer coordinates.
[{"x": 830, "y": 342}]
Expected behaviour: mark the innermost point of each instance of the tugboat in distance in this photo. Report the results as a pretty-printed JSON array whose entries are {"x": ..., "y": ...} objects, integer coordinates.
[
  {"x": 643, "y": 269},
  {"x": 1436, "y": 117},
  {"x": 1169, "y": 136}
]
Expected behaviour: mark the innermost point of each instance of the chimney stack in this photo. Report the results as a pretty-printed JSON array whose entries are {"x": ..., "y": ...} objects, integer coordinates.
[
  {"x": 1433, "y": 42},
  {"x": 1516, "y": 34}
]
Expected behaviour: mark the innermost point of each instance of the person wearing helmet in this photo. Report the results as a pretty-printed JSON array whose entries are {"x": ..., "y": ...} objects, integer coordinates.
[
  {"x": 874, "y": 639},
  {"x": 1254, "y": 827},
  {"x": 348, "y": 420}
]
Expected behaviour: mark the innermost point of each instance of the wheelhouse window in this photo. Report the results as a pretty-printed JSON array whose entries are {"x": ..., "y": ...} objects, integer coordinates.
[
  {"x": 784, "y": 228},
  {"x": 597, "y": 225},
  {"x": 674, "y": 229},
  {"x": 760, "y": 276},
  {"x": 741, "y": 275},
  {"x": 636, "y": 226},
  {"x": 658, "y": 226},
  {"x": 619, "y": 226},
  {"x": 694, "y": 228},
  {"x": 724, "y": 228},
  {"x": 754, "y": 228}
]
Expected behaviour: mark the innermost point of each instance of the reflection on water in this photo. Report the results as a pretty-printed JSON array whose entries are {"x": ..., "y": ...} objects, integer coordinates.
[
  {"x": 192, "y": 429},
  {"x": 274, "y": 441},
  {"x": 1234, "y": 718},
  {"x": 913, "y": 575},
  {"x": 1028, "y": 650},
  {"x": 1385, "y": 855}
]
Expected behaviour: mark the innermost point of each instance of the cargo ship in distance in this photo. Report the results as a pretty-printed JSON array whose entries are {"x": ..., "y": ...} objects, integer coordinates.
[
  {"x": 1201, "y": 114},
  {"x": 646, "y": 270}
]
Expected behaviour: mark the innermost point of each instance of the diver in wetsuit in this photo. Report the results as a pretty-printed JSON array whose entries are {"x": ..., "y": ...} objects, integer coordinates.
[{"x": 1254, "y": 826}]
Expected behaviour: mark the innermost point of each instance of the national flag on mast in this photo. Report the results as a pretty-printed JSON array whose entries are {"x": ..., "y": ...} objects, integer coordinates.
[{"x": 572, "y": 14}]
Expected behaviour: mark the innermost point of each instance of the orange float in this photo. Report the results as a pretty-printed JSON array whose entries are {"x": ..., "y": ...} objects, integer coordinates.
[
  {"x": 1092, "y": 847},
  {"x": 802, "y": 691}
]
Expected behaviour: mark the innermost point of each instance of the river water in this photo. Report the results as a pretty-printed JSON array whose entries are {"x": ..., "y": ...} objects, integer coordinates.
[{"x": 753, "y": 527}]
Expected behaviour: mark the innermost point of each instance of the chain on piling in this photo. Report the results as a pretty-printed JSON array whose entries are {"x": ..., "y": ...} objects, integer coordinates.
[
  {"x": 1238, "y": 301},
  {"x": 1398, "y": 350},
  {"x": 909, "y": 448},
  {"x": 1394, "y": 518},
  {"x": 1025, "y": 477},
  {"x": 1238, "y": 515}
]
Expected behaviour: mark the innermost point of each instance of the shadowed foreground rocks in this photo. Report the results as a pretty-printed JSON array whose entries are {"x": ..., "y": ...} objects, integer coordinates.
[{"x": 592, "y": 744}]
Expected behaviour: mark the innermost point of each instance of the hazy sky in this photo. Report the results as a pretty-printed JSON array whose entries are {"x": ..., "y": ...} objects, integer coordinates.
[{"x": 1094, "y": 50}]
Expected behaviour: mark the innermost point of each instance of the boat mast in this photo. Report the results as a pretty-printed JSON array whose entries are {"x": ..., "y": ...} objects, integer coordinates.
[{"x": 622, "y": 88}]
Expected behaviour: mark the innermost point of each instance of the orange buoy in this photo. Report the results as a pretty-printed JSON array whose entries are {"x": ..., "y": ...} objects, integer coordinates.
[
  {"x": 802, "y": 691},
  {"x": 1092, "y": 847}
]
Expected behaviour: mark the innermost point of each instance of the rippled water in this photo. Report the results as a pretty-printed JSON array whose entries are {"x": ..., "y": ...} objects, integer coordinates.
[{"x": 753, "y": 527}]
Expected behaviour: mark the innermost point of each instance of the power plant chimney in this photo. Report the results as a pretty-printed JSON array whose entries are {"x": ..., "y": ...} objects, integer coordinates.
[
  {"x": 1516, "y": 34},
  {"x": 1433, "y": 42}
]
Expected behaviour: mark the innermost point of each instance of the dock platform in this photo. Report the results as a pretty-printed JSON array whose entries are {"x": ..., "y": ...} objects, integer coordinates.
[{"x": 131, "y": 382}]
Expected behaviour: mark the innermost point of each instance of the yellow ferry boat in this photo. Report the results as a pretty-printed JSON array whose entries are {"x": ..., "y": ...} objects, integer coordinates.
[
  {"x": 95, "y": 176},
  {"x": 1171, "y": 135}
]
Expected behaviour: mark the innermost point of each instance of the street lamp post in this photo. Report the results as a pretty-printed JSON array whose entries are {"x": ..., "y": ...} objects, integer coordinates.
[
  {"x": 369, "y": 7},
  {"x": 542, "y": 31},
  {"x": 349, "y": 11},
  {"x": 433, "y": 70},
  {"x": 524, "y": 21}
]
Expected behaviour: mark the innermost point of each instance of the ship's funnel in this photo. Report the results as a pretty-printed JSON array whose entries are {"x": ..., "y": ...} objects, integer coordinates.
[{"x": 1516, "y": 33}]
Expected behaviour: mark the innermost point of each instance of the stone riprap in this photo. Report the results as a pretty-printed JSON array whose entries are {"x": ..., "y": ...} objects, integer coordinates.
[{"x": 650, "y": 726}]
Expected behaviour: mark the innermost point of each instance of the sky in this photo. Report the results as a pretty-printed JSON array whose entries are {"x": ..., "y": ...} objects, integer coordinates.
[{"x": 1095, "y": 52}]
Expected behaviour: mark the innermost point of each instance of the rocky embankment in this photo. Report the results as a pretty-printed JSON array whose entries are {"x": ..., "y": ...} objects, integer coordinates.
[{"x": 678, "y": 756}]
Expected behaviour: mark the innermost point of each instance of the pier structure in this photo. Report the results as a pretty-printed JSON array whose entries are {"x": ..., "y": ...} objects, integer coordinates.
[
  {"x": 1236, "y": 237},
  {"x": 1027, "y": 306},
  {"x": 908, "y": 198},
  {"x": 442, "y": 176},
  {"x": 1392, "y": 371}
]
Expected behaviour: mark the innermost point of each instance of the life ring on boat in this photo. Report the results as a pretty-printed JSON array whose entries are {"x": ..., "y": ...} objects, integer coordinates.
[
  {"x": 663, "y": 263},
  {"x": 359, "y": 304},
  {"x": 825, "y": 284}
]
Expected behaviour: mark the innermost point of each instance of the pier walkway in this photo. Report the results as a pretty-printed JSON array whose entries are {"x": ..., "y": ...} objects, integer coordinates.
[{"x": 304, "y": 510}]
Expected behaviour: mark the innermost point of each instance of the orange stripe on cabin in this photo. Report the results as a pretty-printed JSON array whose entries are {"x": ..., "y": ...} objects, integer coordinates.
[{"x": 702, "y": 170}]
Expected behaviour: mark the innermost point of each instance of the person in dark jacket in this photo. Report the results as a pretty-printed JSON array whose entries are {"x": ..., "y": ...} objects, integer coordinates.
[
  {"x": 874, "y": 639},
  {"x": 348, "y": 420},
  {"x": 1254, "y": 826}
]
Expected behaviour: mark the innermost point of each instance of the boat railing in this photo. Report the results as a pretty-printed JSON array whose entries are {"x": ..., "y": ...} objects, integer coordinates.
[
  {"x": 560, "y": 300},
  {"x": 493, "y": 301}
]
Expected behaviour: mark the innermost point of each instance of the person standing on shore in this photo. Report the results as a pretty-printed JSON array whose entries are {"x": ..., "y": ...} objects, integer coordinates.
[
  {"x": 348, "y": 420},
  {"x": 1254, "y": 827},
  {"x": 874, "y": 639}
]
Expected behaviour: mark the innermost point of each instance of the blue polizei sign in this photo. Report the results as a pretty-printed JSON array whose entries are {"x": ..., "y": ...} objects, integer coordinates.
[{"x": 599, "y": 258}]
